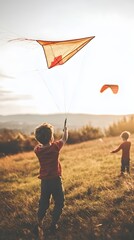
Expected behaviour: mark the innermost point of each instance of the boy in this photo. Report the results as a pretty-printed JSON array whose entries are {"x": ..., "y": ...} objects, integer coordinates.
[
  {"x": 47, "y": 152},
  {"x": 125, "y": 147}
]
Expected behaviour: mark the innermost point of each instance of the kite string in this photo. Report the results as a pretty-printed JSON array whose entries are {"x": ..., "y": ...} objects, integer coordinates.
[
  {"x": 44, "y": 82},
  {"x": 64, "y": 96},
  {"x": 63, "y": 85},
  {"x": 76, "y": 84},
  {"x": 66, "y": 112}
]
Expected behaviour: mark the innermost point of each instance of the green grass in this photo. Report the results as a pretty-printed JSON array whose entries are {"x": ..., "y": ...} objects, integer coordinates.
[{"x": 99, "y": 204}]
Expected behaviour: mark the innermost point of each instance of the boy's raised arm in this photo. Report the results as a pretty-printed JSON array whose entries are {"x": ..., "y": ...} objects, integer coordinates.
[{"x": 116, "y": 150}]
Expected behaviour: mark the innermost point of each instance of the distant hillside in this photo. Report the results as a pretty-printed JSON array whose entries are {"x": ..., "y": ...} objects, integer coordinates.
[{"x": 27, "y": 122}]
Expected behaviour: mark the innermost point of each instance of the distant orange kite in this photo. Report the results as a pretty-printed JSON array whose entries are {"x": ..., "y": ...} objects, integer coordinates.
[{"x": 113, "y": 87}]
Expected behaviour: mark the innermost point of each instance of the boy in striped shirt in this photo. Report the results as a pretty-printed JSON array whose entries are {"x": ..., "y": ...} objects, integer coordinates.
[{"x": 47, "y": 152}]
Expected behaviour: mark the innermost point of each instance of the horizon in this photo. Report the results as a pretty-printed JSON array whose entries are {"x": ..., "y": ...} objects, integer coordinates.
[
  {"x": 27, "y": 122},
  {"x": 94, "y": 114}
]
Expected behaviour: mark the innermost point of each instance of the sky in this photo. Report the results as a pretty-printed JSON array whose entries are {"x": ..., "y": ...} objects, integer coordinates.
[{"x": 28, "y": 86}]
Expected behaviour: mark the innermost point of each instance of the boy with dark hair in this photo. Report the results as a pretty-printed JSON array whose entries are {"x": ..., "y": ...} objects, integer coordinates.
[
  {"x": 47, "y": 152},
  {"x": 125, "y": 147}
]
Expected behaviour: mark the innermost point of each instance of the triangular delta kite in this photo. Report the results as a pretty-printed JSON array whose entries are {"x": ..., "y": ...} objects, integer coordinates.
[{"x": 59, "y": 52}]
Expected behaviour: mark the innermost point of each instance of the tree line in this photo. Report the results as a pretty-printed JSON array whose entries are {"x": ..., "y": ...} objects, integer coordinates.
[{"x": 13, "y": 141}]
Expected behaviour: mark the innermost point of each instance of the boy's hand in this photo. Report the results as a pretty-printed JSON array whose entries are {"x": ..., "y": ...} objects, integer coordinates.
[
  {"x": 65, "y": 130},
  {"x": 65, "y": 123}
]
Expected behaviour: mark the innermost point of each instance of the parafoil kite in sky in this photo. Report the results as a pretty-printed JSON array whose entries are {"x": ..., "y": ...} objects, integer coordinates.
[
  {"x": 113, "y": 87},
  {"x": 59, "y": 52}
]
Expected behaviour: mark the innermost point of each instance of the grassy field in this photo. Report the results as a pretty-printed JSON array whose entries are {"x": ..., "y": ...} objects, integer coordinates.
[{"x": 99, "y": 203}]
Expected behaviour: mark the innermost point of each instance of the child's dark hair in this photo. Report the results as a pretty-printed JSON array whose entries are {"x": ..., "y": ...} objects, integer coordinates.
[
  {"x": 125, "y": 135},
  {"x": 44, "y": 133}
]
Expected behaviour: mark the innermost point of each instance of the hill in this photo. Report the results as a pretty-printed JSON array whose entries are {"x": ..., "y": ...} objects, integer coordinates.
[
  {"x": 99, "y": 203},
  {"x": 27, "y": 122}
]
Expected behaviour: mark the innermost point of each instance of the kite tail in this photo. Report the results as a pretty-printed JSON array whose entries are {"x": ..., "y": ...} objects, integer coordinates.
[{"x": 21, "y": 39}]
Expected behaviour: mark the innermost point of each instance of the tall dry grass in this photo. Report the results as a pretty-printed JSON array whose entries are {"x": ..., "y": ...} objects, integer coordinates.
[{"x": 99, "y": 204}]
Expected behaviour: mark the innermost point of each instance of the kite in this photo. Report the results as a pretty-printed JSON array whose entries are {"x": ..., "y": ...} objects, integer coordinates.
[
  {"x": 113, "y": 87},
  {"x": 59, "y": 52}
]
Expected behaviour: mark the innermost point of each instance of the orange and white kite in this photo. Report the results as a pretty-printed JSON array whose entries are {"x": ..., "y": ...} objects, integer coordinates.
[
  {"x": 113, "y": 87},
  {"x": 59, "y": 52}
]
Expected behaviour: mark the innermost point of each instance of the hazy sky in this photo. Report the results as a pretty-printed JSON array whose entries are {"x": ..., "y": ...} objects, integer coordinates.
[{"x": 27, "y": 86}]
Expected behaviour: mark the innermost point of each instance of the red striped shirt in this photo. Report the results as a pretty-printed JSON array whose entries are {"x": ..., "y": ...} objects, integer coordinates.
[{"x": 48, "y": 157}]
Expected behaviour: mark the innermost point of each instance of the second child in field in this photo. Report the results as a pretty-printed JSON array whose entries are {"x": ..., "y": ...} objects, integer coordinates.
[
  {"x": 125, "y": 147},
  {"x": 47, "y": 152}
]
